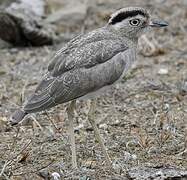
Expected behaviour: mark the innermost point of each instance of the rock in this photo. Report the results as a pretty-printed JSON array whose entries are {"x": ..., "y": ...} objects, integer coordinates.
[
  {"x": 21, "y": 24},
  {"x": 69, "y": 14},
  {"x": 163, "y": 71},
  {"x": 35, "y": 7},
  {"x": 4, "y": 44},
  {"x": 69, "y": 17}
]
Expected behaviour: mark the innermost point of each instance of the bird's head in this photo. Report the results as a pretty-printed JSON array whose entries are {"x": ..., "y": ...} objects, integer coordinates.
[{"x": 133, "y": 21}]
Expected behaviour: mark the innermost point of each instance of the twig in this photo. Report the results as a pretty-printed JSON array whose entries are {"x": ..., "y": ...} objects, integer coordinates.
[
  {"x": 25, "y": 146},
  {"x": 6, "y": 177},
  {"x": 4, "y": 167},
  {"x": 14, "y": 142},
  {"x": 23, "y": 91},
  {"x": 35, "y": 170},
  {"x": 34, "y": 119},
  {"x": 51, "y": 120}
]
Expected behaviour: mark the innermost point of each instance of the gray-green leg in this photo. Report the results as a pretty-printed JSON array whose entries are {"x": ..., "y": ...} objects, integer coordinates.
[
  {"x": 70, "y": 113},
  {"x": 91, "y": 119}
]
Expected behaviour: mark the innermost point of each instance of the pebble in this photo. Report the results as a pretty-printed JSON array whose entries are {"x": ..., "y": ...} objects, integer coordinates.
[
  {"x": 163, "y": 71},
  {"x": 55, "y": 175},
  {"x": 103, "y": 126}
]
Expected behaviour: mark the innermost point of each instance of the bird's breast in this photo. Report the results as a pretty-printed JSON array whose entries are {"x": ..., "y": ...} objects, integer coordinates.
[{"x": 128, "y": 57}]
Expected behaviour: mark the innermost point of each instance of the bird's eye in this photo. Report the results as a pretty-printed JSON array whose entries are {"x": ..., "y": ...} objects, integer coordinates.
[{"x": 134, "y": 22}]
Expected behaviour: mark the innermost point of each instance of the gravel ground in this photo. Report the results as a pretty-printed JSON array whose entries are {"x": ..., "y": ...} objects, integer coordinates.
[{"x": 142, "y": 119}]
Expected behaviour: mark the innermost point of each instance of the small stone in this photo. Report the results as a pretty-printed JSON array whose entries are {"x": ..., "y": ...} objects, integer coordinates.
[
  {"x": 154, "y": 150},
  {"x": 55, "y": 176},
  {"x": 166, "y": 107},
  {"x": 163, "y": 71},
  {"x": 103, "y": 126},
  {"x": 134, "y": 157},
  {"x": 44, "y": 174},
  {"x": 159, "y": 173}
]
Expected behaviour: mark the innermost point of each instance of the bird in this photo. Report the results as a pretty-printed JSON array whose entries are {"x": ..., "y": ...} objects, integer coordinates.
[{"x": 87, "y": 64}]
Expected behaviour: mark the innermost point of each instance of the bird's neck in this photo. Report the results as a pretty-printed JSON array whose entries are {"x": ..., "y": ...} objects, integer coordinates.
[{"x": 132, "y": 40}]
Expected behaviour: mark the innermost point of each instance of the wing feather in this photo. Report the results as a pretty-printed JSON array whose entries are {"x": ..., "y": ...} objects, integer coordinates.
[
  {"x": 79, "y": 41},
  {"x": 89, "y": 55}
]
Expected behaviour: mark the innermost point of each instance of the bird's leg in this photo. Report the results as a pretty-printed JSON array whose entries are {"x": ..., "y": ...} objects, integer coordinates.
[
  {"x": 70, "y": 113},
  {"x": 91, "y": 119}
]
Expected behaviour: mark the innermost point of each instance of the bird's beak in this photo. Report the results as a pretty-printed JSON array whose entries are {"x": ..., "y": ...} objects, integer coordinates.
[{"x": 158, "y": 23}]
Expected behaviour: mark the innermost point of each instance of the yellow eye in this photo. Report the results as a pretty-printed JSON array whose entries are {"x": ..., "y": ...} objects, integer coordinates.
[{"x": 134, "y": 22}]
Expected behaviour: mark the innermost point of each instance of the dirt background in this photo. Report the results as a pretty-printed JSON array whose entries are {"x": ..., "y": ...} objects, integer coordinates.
[{"x": 142, "y": 119}]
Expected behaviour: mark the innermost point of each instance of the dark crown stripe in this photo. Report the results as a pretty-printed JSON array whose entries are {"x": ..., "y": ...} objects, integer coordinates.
[{"x": 124, "y": 15}]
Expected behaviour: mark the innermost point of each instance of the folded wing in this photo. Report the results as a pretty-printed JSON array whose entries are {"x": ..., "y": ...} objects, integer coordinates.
[{"x": 77, "y": 72}]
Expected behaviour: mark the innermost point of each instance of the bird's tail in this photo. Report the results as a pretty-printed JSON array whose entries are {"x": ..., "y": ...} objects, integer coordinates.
[{"x": 17, "y": 116}]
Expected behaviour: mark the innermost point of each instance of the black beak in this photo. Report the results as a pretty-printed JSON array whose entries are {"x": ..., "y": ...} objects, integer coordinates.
[{"x": 158, "y": 23}]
